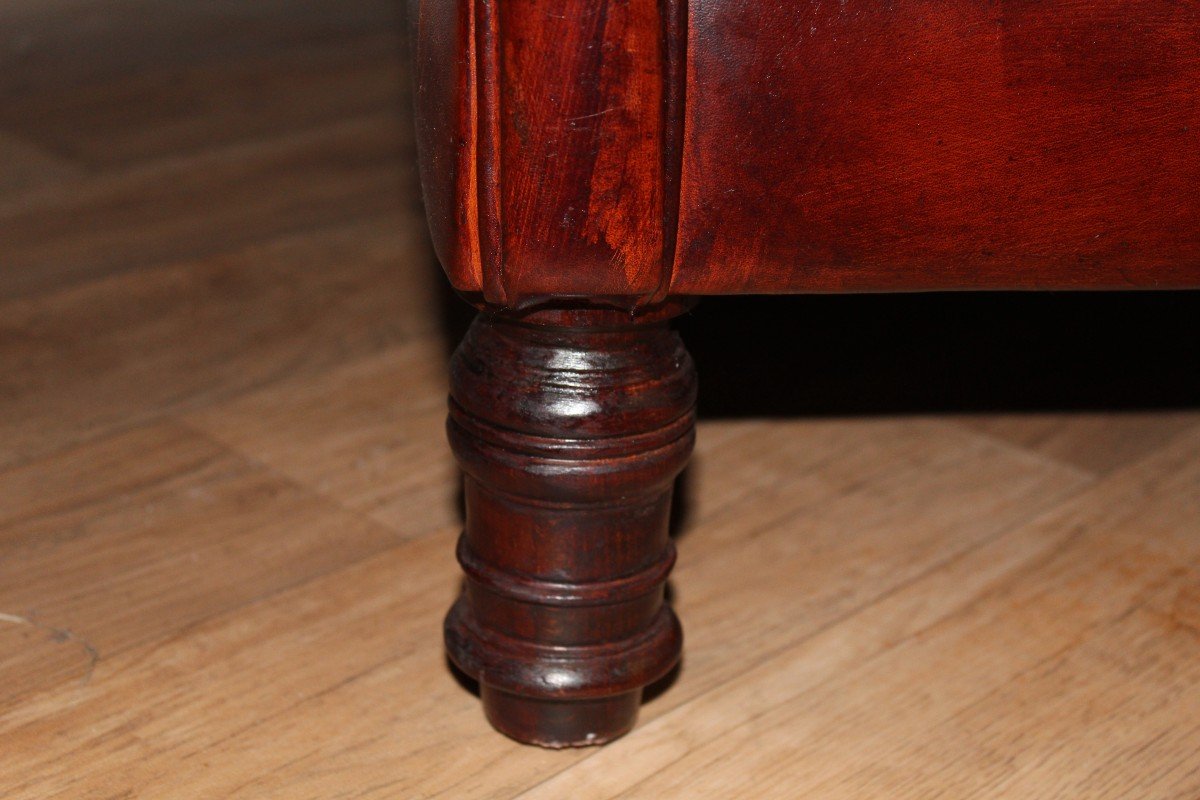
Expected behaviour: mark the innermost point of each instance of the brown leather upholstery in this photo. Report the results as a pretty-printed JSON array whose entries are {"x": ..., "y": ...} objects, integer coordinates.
[{"x": 626, "y": 150}]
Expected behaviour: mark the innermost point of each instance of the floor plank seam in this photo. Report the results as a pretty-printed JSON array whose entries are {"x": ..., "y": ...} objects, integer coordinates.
[
  {"x": 1016, "y": 449},
  {"x": 305, "y": 489}
]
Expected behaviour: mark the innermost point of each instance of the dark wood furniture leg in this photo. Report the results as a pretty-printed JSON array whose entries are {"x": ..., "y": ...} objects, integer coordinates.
[{"x": 570, "y": 427}]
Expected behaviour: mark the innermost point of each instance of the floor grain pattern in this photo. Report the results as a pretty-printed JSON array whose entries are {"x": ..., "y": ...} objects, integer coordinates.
[{"x": 227, "y": 510}]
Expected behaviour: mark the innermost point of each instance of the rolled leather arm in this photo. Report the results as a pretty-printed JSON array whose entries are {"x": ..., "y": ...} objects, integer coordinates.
[{"x": 623, "y": 150}]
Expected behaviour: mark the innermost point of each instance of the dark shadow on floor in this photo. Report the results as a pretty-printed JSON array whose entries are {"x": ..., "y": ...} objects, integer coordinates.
[{"x": 945, "y": 353}]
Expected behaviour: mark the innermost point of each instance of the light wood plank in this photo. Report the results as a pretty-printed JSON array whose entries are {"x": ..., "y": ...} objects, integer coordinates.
[
  {"x": 174, "y": 109},
  {"x": 142, "y": 535},
  {"x": 841, "y": 513},
  {"x": 56, "y": 46},
  {"x": 1095, "y": 442},
  {"x": 188, "y": 208},
  {"x": 368, "y": 434},
  {"x": 111, "y": 354},
  {"x": 336, "y": 647}
]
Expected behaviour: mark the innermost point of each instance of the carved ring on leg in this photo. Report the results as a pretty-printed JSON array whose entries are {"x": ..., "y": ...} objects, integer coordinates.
[{"x": 570, "y": 428}]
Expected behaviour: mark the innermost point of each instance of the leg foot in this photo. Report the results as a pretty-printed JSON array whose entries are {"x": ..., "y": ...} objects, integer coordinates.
[
  {"x": 561, "y": 723},
  {"x": 570, "y": 428}
]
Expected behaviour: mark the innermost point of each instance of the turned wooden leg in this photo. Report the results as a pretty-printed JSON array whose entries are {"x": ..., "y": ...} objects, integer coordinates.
[{"x": 570, "y": 428}]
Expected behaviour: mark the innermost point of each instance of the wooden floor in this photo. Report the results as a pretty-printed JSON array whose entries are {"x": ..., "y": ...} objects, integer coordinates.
[{"x": 227, "y": 511}]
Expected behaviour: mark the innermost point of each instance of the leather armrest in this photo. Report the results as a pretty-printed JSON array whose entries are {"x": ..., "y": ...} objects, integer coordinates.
[
  {"x": 549, "y": 136},
  {"x": 625, "y": 150}
]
